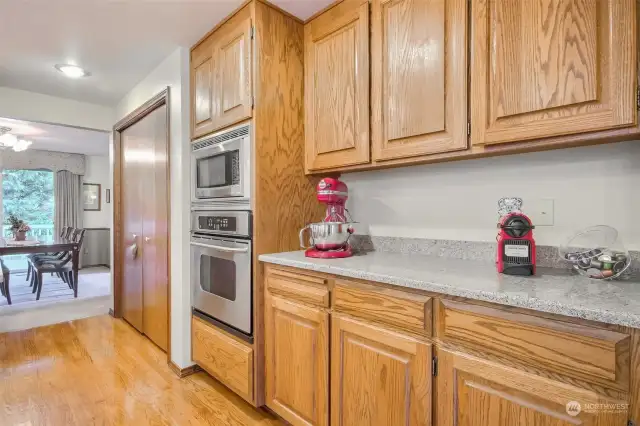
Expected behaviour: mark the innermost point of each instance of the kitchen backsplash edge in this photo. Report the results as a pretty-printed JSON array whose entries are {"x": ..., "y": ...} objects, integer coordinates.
[{"x": 546, "y": 256}]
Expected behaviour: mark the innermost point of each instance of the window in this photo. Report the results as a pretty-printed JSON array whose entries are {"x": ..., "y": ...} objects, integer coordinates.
[{"x": 29, "y": 195}]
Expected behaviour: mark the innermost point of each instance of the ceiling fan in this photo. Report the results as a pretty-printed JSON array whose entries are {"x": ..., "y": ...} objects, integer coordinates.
[{"x": 8, "y": 140}]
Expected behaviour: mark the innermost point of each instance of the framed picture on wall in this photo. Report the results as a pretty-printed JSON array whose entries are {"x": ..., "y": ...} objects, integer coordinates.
[{"x": 91, "y": 196}]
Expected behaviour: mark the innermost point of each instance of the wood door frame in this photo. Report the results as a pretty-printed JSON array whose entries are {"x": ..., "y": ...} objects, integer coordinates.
[{"x": 135, "y": 116}]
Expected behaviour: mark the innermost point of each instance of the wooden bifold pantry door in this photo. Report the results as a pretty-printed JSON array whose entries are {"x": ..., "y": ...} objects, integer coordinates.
[{"x": 144, "y": 207}]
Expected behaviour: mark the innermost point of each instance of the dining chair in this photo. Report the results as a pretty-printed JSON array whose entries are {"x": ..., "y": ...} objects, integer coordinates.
[
  {"x": 4, "y": 286},
  {"x": 63, "y": 267},
  {"x": 65, "y": 234}
]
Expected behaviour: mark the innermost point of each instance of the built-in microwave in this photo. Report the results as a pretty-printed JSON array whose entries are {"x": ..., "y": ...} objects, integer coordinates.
[{"x": 221, "y": 165}]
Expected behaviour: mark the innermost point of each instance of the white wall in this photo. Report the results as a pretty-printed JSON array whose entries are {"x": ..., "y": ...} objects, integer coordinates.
[
  {"x": 97, "y": 170},
  {"x": 458, "y": 201},
  {"x": 174, "y": 72},
  {"x": 30, "y": 106}
]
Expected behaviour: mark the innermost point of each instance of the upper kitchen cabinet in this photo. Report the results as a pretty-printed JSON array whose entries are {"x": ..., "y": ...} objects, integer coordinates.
[
  {"x": 419, "y": 77},
  {"x": 337, "y": 87},
  {"x": 551, "y": 68},
  {"x": 221, "y": 77},
  {"x": 232, "y": 94},
  {"x": 201, "y": 90}
]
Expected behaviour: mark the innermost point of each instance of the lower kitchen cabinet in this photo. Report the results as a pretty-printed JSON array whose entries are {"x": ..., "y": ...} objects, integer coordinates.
[
  {"x": 474, "y": 392},
  {"x": 223, "y": 356},
  {"x": 378, "y": 376},
  {"x": 297, "y": 361},
  {"x": 344, "y": 352}
]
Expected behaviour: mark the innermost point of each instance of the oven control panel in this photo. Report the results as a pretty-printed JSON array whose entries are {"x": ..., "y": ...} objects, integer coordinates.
[
  {"x": 234, "y": 223},
  {"x": 217, "y": 223}
]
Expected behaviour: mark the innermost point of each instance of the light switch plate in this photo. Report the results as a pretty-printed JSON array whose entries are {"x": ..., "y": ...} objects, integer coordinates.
[{"x": 539, "y": 210}]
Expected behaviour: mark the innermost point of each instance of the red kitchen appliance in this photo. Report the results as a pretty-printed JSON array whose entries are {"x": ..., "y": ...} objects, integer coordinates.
[
  {"x": 516, "y": 253},
  {"x": 329, "y": 238}
]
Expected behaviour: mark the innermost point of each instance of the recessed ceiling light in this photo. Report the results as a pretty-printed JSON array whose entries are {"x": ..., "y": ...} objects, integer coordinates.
[{"x": 72, "y": 71}]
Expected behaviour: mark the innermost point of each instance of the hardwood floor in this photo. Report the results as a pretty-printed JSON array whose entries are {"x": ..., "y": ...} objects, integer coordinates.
[{"x": 100, "y": 371}]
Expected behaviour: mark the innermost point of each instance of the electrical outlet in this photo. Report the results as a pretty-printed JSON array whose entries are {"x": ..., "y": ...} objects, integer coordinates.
[{"x": 540, "y": 211}]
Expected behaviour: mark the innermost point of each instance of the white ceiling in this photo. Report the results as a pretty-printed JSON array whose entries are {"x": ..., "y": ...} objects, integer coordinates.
[
  {"x": 51, "y": 137},
  {"x": 303, "y": 9},
  {"x": 119, "y": 42}
]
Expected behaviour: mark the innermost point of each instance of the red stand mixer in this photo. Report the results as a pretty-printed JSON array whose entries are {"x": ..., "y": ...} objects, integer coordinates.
[
  {"x": 329, "y": 238},
  {"x": 516, "y": 254}
]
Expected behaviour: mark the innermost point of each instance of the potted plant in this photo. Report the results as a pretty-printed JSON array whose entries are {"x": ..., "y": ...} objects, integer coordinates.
[{"x": 19, "y": 227}]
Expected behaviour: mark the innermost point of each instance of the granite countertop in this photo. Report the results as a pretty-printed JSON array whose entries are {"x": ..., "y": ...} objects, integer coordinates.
[{"x": 555, "y": 291}]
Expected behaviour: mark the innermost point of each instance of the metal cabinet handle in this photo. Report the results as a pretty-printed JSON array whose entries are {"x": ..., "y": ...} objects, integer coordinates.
[
  {"x": 147, "y": 239},
  {"x": 135, "y": 236},
  {"x": 226, "y": 249}
]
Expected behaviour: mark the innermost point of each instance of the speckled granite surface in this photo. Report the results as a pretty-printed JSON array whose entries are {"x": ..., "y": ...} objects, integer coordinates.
[
  {"x": 546, "y": 256},
  {"x": 556, "y": 291}
]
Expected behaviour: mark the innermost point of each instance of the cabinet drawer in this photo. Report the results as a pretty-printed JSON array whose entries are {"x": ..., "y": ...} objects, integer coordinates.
[
  {"x": 401, "y": 309},
  {"x": 574, "y": 350},
  {"x": 305, "y": 288},
  {"x": 225, "y": 358}
]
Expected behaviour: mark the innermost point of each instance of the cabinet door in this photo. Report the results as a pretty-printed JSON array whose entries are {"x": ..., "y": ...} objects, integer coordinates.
[
  {"x": 473, "y": 392},
  {"x": 297, "y": 365},
  {"x": 378, "y": 377},
  {"x": 544, "y": 68},
  {"x": 419, "y": 77},
  {"x": 337, "y": 87},
  {"x": 201, "y": 90},
  {"x": 232, "y": 95}
]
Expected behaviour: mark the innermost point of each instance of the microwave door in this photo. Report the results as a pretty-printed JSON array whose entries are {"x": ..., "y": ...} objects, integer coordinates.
[{"x": 218, "y": 175}]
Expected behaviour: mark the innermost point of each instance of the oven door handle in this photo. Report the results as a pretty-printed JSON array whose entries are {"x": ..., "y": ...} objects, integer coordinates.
[{"x": 220, "y": 248}]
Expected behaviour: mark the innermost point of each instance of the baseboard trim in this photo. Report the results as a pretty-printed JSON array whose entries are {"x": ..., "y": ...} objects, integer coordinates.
[
  {"x": 97, "y": 264},
  {"x": 184, "y": 372}
]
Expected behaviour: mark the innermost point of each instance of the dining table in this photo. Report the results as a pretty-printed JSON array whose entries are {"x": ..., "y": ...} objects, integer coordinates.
[{"x": 10, "y": 247}]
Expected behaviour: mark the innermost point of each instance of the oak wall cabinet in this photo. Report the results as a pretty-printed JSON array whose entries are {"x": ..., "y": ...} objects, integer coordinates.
[
  {"x": 221, "y": 76},
  {"x": 419, "y": 77},
  {"x": 543, "y": 69},
  {"x": 202, "y": 121},
  {"x": 337, "y": 87},
  {"x": 459, "y": 79},
  {"x": 384, "y": 355}
]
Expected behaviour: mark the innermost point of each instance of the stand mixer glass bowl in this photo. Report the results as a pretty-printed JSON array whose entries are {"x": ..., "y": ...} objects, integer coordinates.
[
  {"x": 597, "y": 252},
  {"x": 327, "y": 235}
]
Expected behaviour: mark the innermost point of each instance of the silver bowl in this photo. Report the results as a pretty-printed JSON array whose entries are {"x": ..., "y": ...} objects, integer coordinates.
[{"x": 327, "y": 235}]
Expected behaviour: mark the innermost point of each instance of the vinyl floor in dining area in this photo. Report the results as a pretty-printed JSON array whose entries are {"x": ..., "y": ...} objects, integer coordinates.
[{"x": 100, "y": 371}]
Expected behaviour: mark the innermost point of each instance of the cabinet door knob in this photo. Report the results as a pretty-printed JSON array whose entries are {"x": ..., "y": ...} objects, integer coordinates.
[{"x": 147, "y": 239}]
